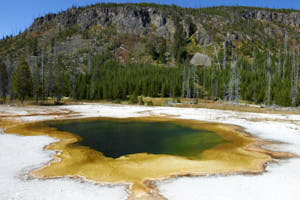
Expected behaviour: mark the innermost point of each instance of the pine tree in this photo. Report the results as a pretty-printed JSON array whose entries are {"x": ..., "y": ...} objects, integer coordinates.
[
  {"x": 179, "y": 42},
  {"x": 133, "y": 98},
  {"x": 22, "y": 81},
  {"x": 3, "y": 81},
  {"x": 162, "y": 49},
  {"x": 59, "y": 79},
  {"x": 37, "y": 86}
]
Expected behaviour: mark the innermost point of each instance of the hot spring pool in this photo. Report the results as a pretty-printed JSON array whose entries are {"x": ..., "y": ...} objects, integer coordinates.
[{"x": 116, "y": 138}]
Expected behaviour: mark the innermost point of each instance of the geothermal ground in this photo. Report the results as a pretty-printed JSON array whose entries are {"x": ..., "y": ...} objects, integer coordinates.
[{"x": 19, "y": 155}]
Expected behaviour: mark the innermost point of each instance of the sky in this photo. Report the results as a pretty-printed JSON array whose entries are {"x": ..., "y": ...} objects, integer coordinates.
[{"x": 17, "y": 15}]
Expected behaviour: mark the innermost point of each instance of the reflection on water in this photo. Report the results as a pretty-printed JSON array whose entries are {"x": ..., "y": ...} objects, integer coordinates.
[{"x": 115, "y": 138}]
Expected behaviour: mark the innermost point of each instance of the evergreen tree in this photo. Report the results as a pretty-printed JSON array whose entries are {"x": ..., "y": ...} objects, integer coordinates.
[
  {"x": 3, "y": 81},
  {"x": 133, "y": 98},
  {"x": 162, "y": 49},
  {"x": 22, "y": 81},
  {"x": 59, "y": 85},
  {"x": 179, "y": 52},
  {"x": 37, "y": 86}
]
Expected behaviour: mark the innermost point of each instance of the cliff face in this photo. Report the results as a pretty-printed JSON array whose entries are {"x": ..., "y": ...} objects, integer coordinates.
[
  {"x": 127, "y": 19},
  {"x": 292, "y": 19},
  {"x": 142, "y": 20}
]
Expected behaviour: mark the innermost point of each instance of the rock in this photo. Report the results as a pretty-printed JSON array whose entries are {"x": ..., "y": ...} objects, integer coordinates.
[
  {"x": 201, "y": 60},
  {"x": 292, "y": 18},
  {"x": 145, "y": 19}
]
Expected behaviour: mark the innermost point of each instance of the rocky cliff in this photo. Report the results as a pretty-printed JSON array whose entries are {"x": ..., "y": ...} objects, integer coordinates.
[
  {"x": 142, "y": 20},
  {"x": 292, "y": 18}
]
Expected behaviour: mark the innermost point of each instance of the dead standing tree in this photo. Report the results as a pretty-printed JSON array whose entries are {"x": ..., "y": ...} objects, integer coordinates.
[
  {"x": 188, "y": 89},
  {"x": 36, "y": 79},
  {"x": 203, "y": 61},
  {"x": 294, "y": 80},
  {"x": 237, "y": 87},
  {"x": 183, "y": 81},
  {"x": 232, "y": 81},
  {"x": 224, "y": 56},
  {"x": 43, "y": 72},
  {"x": 285, "y": 54},
  {"x": 195, "y": 85},
  {"x": 269, "y": 80}
]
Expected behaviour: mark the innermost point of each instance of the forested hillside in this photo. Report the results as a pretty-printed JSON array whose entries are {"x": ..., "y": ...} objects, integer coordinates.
[{"x": 119, "y": 51}]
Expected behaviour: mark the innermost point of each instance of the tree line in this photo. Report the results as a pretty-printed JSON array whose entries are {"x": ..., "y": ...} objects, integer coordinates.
[{"x": 266, "y": 78}]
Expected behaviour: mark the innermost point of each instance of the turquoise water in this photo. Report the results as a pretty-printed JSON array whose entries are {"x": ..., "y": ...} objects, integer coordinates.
[{"x": 116, "y": 138}]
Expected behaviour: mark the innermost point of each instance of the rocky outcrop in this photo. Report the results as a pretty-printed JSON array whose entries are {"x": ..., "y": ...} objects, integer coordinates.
[
  {"x": 141, "y": 20},
  {"x": 128, "y": 19},
  {"x": 292, "y": 18},
  {"x": 201, "y": 60}
]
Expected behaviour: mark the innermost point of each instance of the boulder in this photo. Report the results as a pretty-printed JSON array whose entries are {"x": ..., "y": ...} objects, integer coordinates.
[{"x": 201, "y": 60}]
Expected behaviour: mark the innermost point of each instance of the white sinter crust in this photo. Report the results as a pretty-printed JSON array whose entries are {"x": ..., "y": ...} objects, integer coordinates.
[{"x": 19, "y": 155}]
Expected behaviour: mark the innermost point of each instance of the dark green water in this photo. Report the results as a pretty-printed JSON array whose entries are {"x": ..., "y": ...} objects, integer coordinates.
[{"x": 115, "y": 138}]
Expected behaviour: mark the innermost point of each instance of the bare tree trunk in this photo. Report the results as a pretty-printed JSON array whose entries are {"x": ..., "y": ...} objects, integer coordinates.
[
  {"x": 171, "y": 89},
  {"x": 212, "y": 85},
  {"x": 188, "y": 92},
  {"x": 43, "y": 73},
  {"x": 279, "y": 63},
  {"x": 237, "y": 87},
  {"x": 90, "y": 61},
  {"x": 22, "y": 99},
  {"x": 217, "y": 88},
  {"x": 269, "y": 80},
  {"x": 232, "y": 81},
  {"x": 194, "y": 82},
  {"x": 285, "y": 53},
  {"x": 224, "y": 56},
  {"x": 183, "y": 82},
  {"x": 197, "y": 91},
  {"x": 37, "y": 81},
  {"x": 204, "y": 77},
  {"x": 297, "y": 79},
  {"x": 73, "y": 84},
  {"x": 216, "y": 53},
  {"x": 253, "y": 63},
  {"x": 51, "y": 80},
  {"x": 294, "y": 81}
]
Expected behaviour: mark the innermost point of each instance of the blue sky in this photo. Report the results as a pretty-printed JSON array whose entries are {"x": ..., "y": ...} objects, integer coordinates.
[{"x": 17, "y": 15}]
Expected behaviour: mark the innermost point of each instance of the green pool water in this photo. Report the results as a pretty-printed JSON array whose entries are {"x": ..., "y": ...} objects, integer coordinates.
[{"x": 115, "y": 138}]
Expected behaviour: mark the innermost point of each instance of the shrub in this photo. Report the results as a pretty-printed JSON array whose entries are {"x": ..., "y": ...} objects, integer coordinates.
[
  {"x": 149, "y": 103},
  {"x": 133, "y": 98},
  {"x": 141, "y": 101}
]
